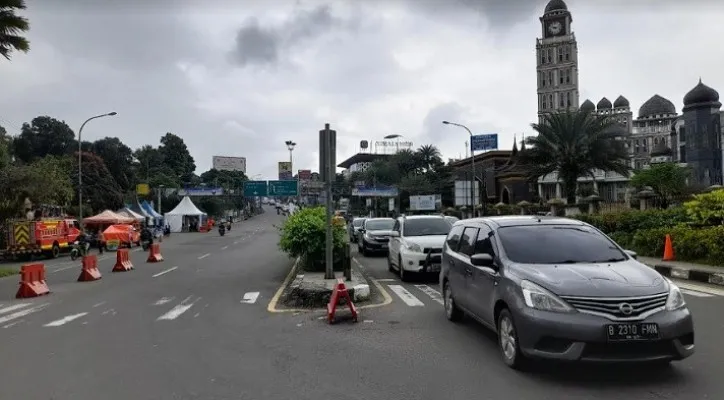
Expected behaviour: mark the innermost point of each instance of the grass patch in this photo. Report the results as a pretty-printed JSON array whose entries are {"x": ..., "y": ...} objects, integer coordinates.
[{"x": 8, "y": 271}]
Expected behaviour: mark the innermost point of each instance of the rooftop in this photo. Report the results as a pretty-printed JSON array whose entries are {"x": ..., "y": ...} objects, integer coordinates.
[{"x": 360, "y": 158}]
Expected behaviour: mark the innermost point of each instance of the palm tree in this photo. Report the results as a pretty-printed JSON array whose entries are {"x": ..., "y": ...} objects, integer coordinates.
[
  {"x": 11, "y": 26},
  {"x": 574, "y": 144},
  {"x": 429, "y": 156}
]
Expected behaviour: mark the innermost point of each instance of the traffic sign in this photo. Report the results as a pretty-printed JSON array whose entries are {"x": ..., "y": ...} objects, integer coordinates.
[
  {"x": 484, "y": 142},
  {"x": 284, "y": 188},
  {"x": 255, "y": 188}
]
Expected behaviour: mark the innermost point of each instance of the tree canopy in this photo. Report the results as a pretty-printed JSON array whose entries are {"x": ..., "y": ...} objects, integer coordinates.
[
  {"x": 12, "y": 28},
  {"x": 41, "y": 163}
]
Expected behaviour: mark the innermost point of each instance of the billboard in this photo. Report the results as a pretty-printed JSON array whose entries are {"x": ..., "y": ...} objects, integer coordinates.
[
  {"x": 223, "y": 163},
  {"x": 304, "y": 174},
  {"x": 285, "y": 170},
  {"x": 484, "y": 142},
  {"x": 428, "y": 202},
  {"x": 391, "y": 146}
]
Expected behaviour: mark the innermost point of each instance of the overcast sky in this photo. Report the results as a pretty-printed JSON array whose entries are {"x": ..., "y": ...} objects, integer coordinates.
[{"x": 238, "y": 78}]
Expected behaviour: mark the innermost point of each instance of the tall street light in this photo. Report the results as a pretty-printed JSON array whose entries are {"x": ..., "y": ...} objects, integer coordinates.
[
  {"x": 395, "y": 136},
  {"x": 80, "y": 162},
  {"x": 290, "y": 146},
  {"x": 472, "y": 163}
]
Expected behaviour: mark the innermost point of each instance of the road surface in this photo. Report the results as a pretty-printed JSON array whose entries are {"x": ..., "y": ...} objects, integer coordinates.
[{"x": 197, "y": 327}]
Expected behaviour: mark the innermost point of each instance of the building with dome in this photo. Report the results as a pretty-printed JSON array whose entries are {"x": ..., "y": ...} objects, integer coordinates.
[
  {"x": 557, "y": 61},
  {"x": 697, "y": 136}
]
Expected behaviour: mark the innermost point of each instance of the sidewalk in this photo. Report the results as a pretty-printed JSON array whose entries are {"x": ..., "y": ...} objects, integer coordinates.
[{"x": 686, "y": 270}]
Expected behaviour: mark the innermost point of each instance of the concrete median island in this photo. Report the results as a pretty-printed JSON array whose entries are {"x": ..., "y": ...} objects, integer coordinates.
[{"x": 311, "y": 290}]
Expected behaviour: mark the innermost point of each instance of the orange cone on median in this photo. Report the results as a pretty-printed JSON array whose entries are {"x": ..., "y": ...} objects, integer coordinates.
[{"x": 668, "y": 250}]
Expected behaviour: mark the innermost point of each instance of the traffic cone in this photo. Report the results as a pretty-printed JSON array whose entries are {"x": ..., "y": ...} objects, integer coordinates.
[{"x": 668, "y": 250}]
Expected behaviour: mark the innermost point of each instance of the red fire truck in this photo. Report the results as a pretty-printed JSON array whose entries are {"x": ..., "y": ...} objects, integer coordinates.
[{"x": 48, "y": 236}]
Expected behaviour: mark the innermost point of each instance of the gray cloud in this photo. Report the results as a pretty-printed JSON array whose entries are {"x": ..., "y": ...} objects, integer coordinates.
[{"x": 259, "y": 45}]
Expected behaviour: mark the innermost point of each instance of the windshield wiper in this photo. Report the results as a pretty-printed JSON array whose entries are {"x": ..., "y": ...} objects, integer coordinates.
[
  {"x": 567, "y": 262},
  {"x": 614, "y": 259}
]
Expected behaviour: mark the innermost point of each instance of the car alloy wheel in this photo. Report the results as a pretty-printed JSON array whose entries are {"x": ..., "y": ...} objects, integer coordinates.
[
  {"x": 508, "y": 340},
  {"x": 452, "y": 312}
]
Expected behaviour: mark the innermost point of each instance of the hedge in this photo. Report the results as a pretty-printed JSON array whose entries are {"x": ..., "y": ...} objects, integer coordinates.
[
  {"x": 630, "y": 222},
  {"x": 303, "y": 234}
]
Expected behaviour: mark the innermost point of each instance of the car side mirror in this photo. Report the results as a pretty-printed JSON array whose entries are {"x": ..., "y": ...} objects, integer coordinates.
[
  {"x": 394, "y": 234},
  {"x": 362, "y": 230},
  {"x": 632, "y": 254},
  {"x": 482, "y": 260}
]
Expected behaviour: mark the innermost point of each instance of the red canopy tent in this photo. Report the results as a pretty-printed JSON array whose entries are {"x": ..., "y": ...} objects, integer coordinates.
[{"x": 108, "y": 217}]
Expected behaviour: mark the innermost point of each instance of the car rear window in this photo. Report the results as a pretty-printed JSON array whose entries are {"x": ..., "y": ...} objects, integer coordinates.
[
  {"x": 357, "y": 222},
  {"x": 557, "y": 244},
  {"x": 426, "y": 227},
  {"x": 379, "y": 224}
]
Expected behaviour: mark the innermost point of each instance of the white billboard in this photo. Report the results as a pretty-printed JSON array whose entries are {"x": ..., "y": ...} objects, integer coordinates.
[
  {"x": 223, "y": 163},
  {"x": 426, "y": 202}
]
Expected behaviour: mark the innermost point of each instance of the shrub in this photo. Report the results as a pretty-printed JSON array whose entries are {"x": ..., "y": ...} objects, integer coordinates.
[
  {"x": 690, "y": 244},
  {"x": 706, "y": 208},
  {"x": 633, "y": 221},
  {"x": 303, "y": 234}
]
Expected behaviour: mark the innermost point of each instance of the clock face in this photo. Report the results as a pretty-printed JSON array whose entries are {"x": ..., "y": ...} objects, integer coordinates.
[{"x": 555, "y": 28}]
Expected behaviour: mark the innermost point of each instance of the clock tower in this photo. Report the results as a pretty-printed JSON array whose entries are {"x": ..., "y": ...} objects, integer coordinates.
[{"x": 557, "y": 61}]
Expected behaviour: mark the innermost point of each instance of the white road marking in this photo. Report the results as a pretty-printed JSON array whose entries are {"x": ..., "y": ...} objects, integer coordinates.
[
  {"x": 250, "y": 297},
  {"x": 178, "y": 310},
  {"x": 13, "y": 308},
  {"x": 406, "y": 296},
  {"x": 63, "y": 269},
  {"x": 695, "y": 293},
  {"x": 162, "y": 301},
  {"x": 434, "y": 294},
  {"x": 237, "y": 242},
  {"x": 13, "y": 323},
  {"x": 66, "y": 319},
  {"x": 99, "y": 304},
  {"x": 204, "y": 256},
  {"x": 225, "y": 247},
  {"x": 387, "y": 280},
  {"x": 164, "y": 272},
  {"x": 22, "y": 313}
]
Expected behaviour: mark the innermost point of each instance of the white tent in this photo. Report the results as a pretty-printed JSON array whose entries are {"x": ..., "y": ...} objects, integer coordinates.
[{"x": 186, "y": 208}]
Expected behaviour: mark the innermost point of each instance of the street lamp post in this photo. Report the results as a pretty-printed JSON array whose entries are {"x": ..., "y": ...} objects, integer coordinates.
[
  {"x": 290, "y": 146},
  {"x": 80, "y": 162},
  {"x": 472, "y": 163}
]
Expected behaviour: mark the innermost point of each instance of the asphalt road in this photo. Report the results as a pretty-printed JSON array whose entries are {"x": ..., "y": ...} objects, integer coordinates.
[{"x": 197, "y": 327}]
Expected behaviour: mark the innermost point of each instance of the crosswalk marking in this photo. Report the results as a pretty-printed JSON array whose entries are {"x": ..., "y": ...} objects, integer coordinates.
[
  {"x": 176, "y": 312},
  {"x": 250, "y": 297},
  {"x": 695, "y": 293},
  {"x": 66, "y": 319},
  {"x": 13, "y": 308},
  {"x": 406, "y": 296},
  {"x": 434, "y": 294},
  {"x": 22, "y": 313}
]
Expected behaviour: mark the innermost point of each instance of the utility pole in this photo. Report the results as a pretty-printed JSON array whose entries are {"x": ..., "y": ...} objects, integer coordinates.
[{"x": 327, "y": 172}]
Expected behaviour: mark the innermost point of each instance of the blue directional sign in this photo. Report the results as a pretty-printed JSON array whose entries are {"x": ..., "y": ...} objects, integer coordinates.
[
  {"x": 255, "y": 188},
  {"x": 484, "y": 142},
  {"x": 284, "y": 188}
]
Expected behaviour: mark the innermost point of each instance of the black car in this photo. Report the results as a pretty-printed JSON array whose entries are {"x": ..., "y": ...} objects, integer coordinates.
[
  {"x": 374, "y": 236},
  {"x": 354, "y": 228},
  {"x": 559, "y": 289}
]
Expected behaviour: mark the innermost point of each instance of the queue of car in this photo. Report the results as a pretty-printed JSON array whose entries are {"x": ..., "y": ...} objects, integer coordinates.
[{"x": 551, "y": 288}]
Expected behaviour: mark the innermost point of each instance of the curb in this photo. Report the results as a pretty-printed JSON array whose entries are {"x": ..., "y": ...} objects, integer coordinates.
[{"x": 669, "y": 271}]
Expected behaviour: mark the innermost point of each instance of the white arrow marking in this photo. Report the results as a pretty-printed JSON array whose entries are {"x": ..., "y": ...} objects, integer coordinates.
[
  {"x": 250, "y": 297},
  {"x": 66, "y": 319}
]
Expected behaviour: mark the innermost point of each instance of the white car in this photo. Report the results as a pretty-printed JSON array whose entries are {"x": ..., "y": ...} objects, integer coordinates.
[{"x": 416, "y": 244}]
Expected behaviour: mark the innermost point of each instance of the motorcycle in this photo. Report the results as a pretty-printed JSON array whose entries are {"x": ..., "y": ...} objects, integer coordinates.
[
  {"x": 145, "y": 244},
  {"x": 222, "y": 230},
  {"x": 77, "y": 250}
]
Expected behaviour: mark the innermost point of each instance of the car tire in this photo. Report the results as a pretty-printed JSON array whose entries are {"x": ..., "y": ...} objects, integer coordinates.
[
  {"x": 452, "y": 312},
  {"x": 508, "y": 341},
  {"x": 389, "y": 263},
  {"x": 404, "y": 276}
]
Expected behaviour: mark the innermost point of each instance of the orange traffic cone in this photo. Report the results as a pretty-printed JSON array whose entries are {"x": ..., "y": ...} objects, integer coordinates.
[{"x": 668, "y": 250}]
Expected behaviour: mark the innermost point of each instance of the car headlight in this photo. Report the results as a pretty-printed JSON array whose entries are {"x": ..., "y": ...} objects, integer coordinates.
[
  {"x": 675, "y": 300},
  {"x": 541, "y": 299},
  {"x": 414, "y": 247}
]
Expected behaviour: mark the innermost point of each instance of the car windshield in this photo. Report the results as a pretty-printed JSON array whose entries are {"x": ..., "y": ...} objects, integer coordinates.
[
  {"x": 426, "y": 227},
  {"x": 558, "y": 244},
  {"x": 357, "y": 222},
  {"x": 379, "y": 224}
]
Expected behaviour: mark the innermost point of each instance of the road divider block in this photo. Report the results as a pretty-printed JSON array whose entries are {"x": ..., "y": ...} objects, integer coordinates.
[
  {"x": 32, "y": 281},
  {"x": 123, "y": 261},
  {"x": 154, "y": 253},
  {"x": 89, "y": 271}
]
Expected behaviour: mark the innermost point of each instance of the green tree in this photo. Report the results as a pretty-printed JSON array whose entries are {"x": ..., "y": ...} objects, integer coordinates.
[
  {"x": 5, "y": 147},
  {"x": 100, "y": 190},
  {"x": 177, "y": 157},
  {"x": 574, "y": 144},
  {"x": 43, "y": 136},
  {"x": 12, "y": 27},
  {"x": 148, "y": 163},
  {"x": 118, "y": 159},
  {"x": 666, "y": 179},
  {"x": 44, "y": 182}
]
